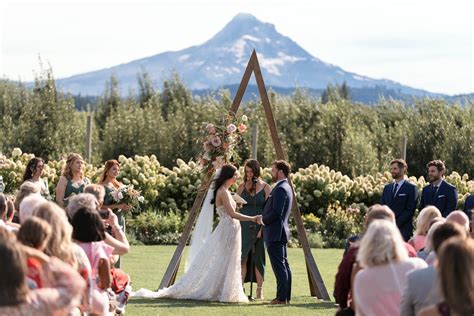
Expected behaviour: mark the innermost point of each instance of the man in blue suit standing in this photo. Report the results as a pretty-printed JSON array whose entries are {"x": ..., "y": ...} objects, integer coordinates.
[
  {"x": 400, "y": 196},
  {"x": 276, "y": 231},
  {"x": 439, "y": 193}
]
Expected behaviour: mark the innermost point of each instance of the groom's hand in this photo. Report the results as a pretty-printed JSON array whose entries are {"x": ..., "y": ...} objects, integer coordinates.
[{"x": 259, "y": 220}]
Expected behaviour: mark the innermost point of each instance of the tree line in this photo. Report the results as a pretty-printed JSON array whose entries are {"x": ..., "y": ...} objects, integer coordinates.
[{"x": 350, "y": 137}]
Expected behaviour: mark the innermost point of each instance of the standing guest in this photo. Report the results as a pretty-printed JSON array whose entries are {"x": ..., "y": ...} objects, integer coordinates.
[
  {"x": 439, "y": 193},
  {"x": 33, "y": 172},
  {"x": 64, "y": 288},
  {"x": 383, "y": 255},
  {"x": 400, "y": 196},
  {"x": 34, "y": 233},
  {"x": 72, "y": 180},
  {"x": 422, "y": 288},
  {"x": 455, "y": 262},
  {"x": 255, "y": 191},
  {"x": 423, "y": 224},
  {"x": 109, "y": 180}
]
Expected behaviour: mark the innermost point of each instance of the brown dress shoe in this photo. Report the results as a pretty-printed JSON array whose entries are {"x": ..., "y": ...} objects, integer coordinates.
[{"x": 278, "y": 302}]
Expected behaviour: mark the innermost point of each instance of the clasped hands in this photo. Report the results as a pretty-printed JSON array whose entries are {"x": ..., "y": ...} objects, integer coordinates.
[{"x": 258, "y": 219}]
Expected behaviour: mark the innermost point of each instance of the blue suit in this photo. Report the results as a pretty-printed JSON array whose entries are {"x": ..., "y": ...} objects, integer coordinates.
[
  {"x": 469, "y": 206},
  {"x": 276, "y": 233},
  {"x": 445, "y": 199},
  {"x": 403, "y": 205}
]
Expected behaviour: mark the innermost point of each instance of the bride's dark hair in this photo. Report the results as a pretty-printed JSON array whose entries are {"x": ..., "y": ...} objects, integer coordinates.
[{"x": 227, "y": 172}]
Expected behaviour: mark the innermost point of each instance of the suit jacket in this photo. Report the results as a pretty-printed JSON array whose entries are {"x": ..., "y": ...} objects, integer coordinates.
[
  {"x": 276, "y": 213},
  {"x": 469, "y": 206},
  {"x": 445, "y": 199},
  {"x": 403, "y": 204},
  {"x": 421, "y": 290}
]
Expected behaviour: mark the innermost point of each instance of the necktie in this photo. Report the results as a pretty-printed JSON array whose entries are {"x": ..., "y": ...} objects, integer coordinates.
[
  {"x": 395, "y": 187},
  {"x": 435, "y": 190}
]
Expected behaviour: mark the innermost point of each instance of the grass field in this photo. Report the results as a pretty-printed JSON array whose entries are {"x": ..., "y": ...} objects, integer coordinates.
[{"x": 147, "y": 264}]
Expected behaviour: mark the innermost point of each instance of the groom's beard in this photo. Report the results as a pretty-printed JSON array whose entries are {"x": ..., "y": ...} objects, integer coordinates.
[{"x": 274, "y": 179}]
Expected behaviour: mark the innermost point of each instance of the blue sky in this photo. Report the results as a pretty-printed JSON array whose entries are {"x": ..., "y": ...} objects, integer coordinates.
[{"x": 427, "y": 44}]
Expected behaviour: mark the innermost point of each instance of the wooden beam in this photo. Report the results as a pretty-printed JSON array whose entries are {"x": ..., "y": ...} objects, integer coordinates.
[{"x": 243, "y": 84}]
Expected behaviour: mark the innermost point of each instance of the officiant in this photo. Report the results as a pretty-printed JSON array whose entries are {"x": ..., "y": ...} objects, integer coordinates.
[{"x": 255, "y": 191}]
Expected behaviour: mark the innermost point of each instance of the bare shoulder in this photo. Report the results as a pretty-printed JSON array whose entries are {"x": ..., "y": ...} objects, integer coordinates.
[{"x": 62, "y": 180}]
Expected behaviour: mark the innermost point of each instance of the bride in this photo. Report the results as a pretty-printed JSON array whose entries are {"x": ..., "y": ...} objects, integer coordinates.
[{"x": 214, "y": 273}]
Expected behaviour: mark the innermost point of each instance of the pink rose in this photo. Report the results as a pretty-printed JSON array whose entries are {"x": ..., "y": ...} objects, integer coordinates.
[
  {"x": 211, "y": 128},
  {"x": 225, "y": 146},
  {"x": 216, "y": 141},
  {"x": 242, "y": 128},
  {"x": 231, "y": 128}
]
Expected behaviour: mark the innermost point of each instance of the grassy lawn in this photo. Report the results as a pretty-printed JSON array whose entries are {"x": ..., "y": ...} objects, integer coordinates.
[{"x": 147, "y": 264}]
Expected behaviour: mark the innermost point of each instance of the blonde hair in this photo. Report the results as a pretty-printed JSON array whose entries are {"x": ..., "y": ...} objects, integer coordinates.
[
  {"x": 382, "y": 244},
  {"x": 60, "y": 243},
  {"x": 71, "y": 159},
  {"x": 26, "y": 189},
  {"x": 424, "y": 219},
  {"x": 34, "y": 232},
  {"x": 456, "y": 276},
  {"x": 429, "y": 247},
  {"x": 96, "y": 190}
]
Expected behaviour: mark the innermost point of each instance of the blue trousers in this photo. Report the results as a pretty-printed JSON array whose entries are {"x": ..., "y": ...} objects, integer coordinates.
[{"x": 278, "y": 253}]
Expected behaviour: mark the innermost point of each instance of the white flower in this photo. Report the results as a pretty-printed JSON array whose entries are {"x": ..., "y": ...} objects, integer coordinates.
[
  {"x": 120, "y": 195},
  {"x": 16, "y": 152},
  {"x": 244, "y": 118},
  {"x": 141, "y": 199}
]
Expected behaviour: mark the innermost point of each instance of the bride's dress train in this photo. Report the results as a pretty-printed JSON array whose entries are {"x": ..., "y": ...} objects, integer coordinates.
[{"x": 214, "y": 275}]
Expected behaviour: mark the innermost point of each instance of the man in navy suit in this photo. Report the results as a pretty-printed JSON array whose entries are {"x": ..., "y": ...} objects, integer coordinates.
[
  {"x": 400, "y": 196},
  {"x": 276, "y": 231},
  {"x": 439, "y": 193}
]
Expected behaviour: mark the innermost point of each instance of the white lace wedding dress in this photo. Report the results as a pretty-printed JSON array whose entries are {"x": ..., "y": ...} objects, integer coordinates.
[{"x": 214, "y": 275}]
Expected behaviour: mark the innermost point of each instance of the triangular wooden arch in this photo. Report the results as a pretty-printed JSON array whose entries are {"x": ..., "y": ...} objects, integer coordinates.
[{"x": 316, "y": 283}]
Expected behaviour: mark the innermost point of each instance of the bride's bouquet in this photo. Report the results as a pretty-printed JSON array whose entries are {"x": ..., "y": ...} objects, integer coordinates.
[
  {"x": 220, "y": 141},
  {"x": 126, "y": 194}
]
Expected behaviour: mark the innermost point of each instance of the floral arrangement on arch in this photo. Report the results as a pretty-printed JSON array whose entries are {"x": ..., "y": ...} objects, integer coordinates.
[{"x": 219, "y": 142}]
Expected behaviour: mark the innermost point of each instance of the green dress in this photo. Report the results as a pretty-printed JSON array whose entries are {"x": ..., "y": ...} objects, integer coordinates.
[
  {"x": 108, "y": 200},
  {"x": 253, "y": 207},
  {"x": 72, "y": 189}
]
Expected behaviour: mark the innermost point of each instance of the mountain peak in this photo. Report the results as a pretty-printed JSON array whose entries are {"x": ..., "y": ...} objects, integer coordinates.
[{"x": 241, "y": 24}]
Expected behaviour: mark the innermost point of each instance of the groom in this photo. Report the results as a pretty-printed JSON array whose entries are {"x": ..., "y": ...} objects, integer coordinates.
[{"x": 276, "y": 232}]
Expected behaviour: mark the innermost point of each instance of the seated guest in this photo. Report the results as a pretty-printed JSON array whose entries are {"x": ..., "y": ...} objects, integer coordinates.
[
  {"x": 425, "y": 252},
  {"x": 422, "y": 288},
  {"x": 65, "y": 285},
  {"x": 34, "y": 233},
  {"x": 423, "y": 223},
  {"x": 456, "y": 276},
  {"x": 459, "y": 217},
  {"x": 28, "y": 205},
  {"x": 343, "y": 284},
  {"x": 89, "y": 234},
  {"x": 384, "y": 258}
]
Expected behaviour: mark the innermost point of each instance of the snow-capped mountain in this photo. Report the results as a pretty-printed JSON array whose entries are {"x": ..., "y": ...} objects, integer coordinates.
[{"x": 221, "y": 61}]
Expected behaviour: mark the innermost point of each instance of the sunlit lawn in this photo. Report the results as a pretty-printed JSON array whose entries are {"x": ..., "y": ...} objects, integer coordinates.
[{"x": 147, "y": 264}]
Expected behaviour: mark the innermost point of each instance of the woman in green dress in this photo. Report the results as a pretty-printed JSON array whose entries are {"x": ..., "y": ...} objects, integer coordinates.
[
  {"x": 72, "y": 181},
  {"x": 33, "y": 173},
  {"x": 255, "y": 191},
  {"x": 108, "y": 179}
]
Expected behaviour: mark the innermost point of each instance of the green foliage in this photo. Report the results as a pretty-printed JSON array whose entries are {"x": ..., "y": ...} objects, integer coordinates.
[
  {"x": 339, "y": 224},
  {"x": 157, "y": 228}
]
